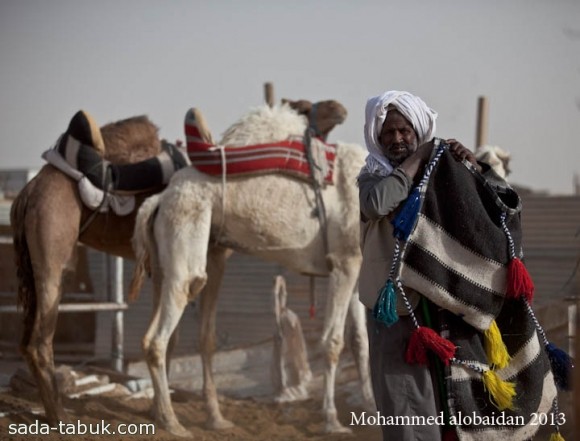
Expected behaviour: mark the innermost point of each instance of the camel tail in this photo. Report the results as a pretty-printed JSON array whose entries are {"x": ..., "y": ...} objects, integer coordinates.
[
  {"x": 142, "y": 245},
  {"x": 24, "y": 272}
]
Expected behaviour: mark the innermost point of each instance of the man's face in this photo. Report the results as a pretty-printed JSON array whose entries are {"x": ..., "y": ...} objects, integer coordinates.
[{"x": 398, "y": 138}]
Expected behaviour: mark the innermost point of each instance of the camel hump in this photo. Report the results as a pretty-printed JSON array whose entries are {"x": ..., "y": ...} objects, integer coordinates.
[
  {"x": 196, "y": 128},
  {"x": 84, "y": 129}
]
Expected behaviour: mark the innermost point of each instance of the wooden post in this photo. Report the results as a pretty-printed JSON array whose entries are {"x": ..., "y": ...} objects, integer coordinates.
[
  {"x": 481, "y": 135},
  {"x": 269, "y": 94}
]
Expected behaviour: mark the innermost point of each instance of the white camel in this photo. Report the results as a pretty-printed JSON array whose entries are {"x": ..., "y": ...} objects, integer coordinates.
[
  {"x": 496, "y": 157},
  {"x": 184, "y": 233}
]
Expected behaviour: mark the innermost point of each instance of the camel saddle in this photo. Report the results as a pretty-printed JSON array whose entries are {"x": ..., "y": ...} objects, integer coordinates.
[
  {"x": 102, "y": 184},
  {"x": 290, "y": 156}
]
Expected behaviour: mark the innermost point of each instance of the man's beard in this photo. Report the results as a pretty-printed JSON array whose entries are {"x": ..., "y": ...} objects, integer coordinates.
[{"x": 397, "y": 153}]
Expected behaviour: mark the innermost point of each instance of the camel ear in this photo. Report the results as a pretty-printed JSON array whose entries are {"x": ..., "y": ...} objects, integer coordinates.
[{"x": 303, "y": 107}]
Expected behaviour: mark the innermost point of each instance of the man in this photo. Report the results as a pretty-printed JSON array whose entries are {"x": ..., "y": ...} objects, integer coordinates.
[{"x": 399, "y": 130}]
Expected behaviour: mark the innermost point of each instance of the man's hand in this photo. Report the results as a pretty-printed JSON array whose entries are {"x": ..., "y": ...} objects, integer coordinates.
[
  {"x": 425, "y": 150},
  {"x": 460, "y": 152}
]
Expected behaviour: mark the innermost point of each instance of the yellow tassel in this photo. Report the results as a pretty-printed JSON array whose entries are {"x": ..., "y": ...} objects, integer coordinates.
[
  {"x": 502, "y": 392},
  {"x": 497, "y": 353},
  {"x": 556, "y": 436}
]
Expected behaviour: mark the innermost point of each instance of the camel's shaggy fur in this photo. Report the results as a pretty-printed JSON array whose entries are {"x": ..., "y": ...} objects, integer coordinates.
[
  {"x": 264, "y": 124},
  {"x": 130, "y": 140},
  {"x": 186, "y": 230}
]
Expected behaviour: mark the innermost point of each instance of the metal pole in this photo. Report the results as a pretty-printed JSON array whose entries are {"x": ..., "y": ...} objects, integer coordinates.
[
  {"x": 481, "y": 135},
  {"x": 117, "y": 344},
  {"x": 73, "y": 307}
]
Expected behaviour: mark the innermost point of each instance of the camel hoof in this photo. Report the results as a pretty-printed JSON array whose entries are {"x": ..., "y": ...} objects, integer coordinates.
[
  {"x": 291, "y": 394},
  {"x": 335, "y": 427},
  {"x": 171, "y": 425},
  {"x": 220, "y": 424},
  {"x": 61, "y": 416},
  {"x": 178, "y": 430}
]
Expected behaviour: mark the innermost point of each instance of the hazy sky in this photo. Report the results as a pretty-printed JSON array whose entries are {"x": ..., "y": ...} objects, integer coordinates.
[{"x": 122, "y": 58}]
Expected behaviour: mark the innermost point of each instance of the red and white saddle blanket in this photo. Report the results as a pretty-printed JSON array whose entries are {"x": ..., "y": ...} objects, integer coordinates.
[{"x": 286, "y": 156}]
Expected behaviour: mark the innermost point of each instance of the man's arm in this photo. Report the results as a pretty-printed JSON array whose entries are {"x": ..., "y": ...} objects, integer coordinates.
[{"x": 379, "y": 196}]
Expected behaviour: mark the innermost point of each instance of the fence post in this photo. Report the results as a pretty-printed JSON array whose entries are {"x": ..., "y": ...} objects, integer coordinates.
[{"x": 117, "y": 343}]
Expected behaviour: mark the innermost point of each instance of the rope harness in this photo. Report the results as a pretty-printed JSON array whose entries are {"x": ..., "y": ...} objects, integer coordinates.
[
  {"x": 320, "y": 210},
  {"x": 222, "y": 151}
]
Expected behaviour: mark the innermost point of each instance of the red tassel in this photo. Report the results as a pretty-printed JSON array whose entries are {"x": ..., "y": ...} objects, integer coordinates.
[
  {"x": 312, "y": 311},
  {"x": 416, "y": 350},
  {"x": 519, "y": 281},
  {"x": 423, "y": 339}
]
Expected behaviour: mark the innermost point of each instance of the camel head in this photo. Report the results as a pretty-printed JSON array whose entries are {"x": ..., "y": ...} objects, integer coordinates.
[
  {"x": 322, "y": 116},
  {"x": 496, "y": 157}
]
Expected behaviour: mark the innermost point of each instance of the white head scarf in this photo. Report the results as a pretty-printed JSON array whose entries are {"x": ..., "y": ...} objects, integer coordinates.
[{"x": 411, "y": 107}]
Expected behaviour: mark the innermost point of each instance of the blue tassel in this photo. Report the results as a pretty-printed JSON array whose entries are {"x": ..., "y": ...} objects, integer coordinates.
[
  {"x": 385, "y": 310},
  {"x": 406, "y": 219},
  {"x": 562, "y": 365}
]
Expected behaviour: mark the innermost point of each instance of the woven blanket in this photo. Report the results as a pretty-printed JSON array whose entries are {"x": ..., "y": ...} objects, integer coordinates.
[
  {"x": 285, "y": 156},
  {"x": 457, "y": 256}
]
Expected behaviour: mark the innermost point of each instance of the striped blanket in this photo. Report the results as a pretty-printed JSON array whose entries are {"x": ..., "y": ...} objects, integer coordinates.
[
  {"x": 457, "y": 256},
  {"x": 287, "y": 156}
]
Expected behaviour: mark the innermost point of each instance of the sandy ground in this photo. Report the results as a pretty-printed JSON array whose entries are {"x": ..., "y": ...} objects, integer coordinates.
[
  {"x": 256, "y": 418},
  {"x": 244, "y": 400}
]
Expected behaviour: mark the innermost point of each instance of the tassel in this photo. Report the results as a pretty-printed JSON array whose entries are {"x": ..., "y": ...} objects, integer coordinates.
[
  {"x": 424, "y": 338},
  {"x": 312, "y": 312},
  {"x": 562, "y": 365},
  {"x": 557, "y": 436},
  {"x": 416, "y": 350},
  {"x": 385, "y": 310},
  {"x": 502, "y": 392},
  {"x": 405, "y": 220},
  {"x": 496, "y": 350},
  {"x": 519, "y": 281}
]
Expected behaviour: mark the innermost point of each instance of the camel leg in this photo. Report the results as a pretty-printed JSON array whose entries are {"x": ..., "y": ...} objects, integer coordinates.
[
  {"x": 174, "y": 339},
  {"x": 341, "y": 286},
  {"x": 360, "y": 348},
  {"x": 50, "y": 238},
  {"x": 179, "y": 265},
  {"x": 37, "y": 344},
  {"x": 217, "y": 257},
  {"x": 164, "y": 321}
]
